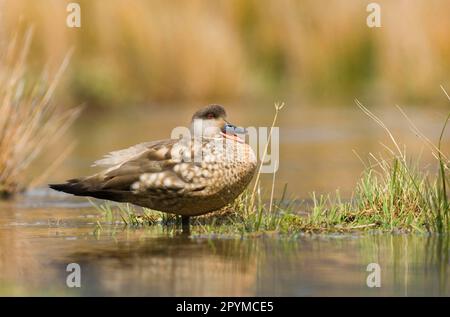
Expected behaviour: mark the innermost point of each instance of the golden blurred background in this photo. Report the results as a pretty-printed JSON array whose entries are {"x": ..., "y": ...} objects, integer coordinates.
[{"x": 138, "y": 52}]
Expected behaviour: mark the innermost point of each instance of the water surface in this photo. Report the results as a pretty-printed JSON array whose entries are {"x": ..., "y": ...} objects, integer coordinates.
[{"x": 41, "y": 234}]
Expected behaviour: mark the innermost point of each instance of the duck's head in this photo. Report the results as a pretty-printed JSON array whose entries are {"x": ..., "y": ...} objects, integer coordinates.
[{"x": 211, "y": 121}]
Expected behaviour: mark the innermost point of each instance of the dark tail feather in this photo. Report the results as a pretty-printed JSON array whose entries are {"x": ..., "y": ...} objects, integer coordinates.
[
  {"x": 72, "y": 186},
  {"x": 79, "y": 188}
]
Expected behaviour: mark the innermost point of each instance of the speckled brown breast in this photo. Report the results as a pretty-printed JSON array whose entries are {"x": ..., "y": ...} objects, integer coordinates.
[{"x": 204, "y": 175}]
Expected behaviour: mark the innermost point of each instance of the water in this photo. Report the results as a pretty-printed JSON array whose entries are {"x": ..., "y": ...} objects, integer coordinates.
[
  {"x": 40, "y": 235},
  {"x": 42, "y": 232}
]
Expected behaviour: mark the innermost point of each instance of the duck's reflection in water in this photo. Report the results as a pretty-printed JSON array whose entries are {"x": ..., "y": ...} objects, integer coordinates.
[
  {"x": 183, "y": 266},
  {"x": 166, "y": 266}
]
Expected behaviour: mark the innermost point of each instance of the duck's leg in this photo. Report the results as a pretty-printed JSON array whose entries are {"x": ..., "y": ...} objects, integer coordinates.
[{"x": 185, "y": 222}]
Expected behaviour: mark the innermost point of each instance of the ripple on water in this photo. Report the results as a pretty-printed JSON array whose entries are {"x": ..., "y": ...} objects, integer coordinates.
[{"x": 46, "y": 197}]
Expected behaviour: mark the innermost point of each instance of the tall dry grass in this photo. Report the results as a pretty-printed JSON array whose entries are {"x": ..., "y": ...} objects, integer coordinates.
[{"x": 29, "y": 120}]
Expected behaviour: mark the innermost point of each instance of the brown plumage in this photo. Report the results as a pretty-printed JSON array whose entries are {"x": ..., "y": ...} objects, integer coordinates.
[{"x": 188, "y": 176}]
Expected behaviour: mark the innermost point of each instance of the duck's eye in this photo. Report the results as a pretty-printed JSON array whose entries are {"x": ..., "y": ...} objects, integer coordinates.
[{"x": 210, "y": 116}]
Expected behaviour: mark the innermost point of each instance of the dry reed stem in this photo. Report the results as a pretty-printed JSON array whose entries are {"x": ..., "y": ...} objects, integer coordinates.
[{"x": 278, "y": 108}]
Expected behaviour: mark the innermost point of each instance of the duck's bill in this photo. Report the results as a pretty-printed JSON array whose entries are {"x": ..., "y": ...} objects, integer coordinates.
[
  {"x": 238, "y": 130},
  {"x": 232, "y": 131}
]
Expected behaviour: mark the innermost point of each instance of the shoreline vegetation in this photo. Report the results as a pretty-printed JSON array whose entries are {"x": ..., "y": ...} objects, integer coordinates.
[{"x": 394, "y": 194}]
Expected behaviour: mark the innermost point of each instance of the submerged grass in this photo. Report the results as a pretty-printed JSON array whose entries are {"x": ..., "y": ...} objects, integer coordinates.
[
  {"x": 393, "y": 195},
  {"x": 29, "y": 120}
]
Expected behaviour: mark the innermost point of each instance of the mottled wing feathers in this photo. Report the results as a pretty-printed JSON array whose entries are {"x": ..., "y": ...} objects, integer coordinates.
[
  {"x": 156, "y": 150},
  {"x": 125, "y": 168},
  {"x": 152, "y": 157}
]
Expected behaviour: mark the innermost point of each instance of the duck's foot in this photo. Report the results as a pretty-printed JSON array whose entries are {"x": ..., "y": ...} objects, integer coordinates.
[{"x": 185, "y": 220}]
